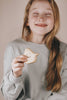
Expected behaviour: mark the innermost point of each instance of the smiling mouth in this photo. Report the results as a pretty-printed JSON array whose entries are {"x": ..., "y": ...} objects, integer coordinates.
[{"x": 41, "y": 25}]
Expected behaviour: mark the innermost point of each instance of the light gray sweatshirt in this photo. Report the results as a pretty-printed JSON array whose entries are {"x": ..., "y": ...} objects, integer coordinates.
[{"x": 32, "y": 84}]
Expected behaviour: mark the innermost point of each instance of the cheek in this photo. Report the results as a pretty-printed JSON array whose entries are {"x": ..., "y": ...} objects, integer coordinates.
[
  {"x": 33, "y": 18},
  {"x": 31, "y": 22},
  {"x": 50, "y": 21}
]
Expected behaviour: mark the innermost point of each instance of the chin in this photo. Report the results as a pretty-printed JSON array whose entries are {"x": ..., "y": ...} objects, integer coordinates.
[{"x": 40, "y": 33}]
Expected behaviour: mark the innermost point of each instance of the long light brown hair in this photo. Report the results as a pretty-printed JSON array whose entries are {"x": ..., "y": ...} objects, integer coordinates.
[{"x": 55, "y": 60}]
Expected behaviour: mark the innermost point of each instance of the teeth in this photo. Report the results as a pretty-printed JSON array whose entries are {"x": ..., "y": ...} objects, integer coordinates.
[{"x": 42, "y": 25}]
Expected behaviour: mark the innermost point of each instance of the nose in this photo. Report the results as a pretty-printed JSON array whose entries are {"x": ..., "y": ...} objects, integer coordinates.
[{"x": 41, "y": 18}]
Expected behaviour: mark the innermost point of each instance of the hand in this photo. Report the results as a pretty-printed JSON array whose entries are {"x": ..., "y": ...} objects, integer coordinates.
[{"x": 18, "y": 64}]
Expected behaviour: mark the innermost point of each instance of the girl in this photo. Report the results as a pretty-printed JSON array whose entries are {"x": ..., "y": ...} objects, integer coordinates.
[{"x": 46, "y": 79}]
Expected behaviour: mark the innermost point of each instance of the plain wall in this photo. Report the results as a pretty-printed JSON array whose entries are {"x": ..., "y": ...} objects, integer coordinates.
[{"x": 11, "y": 22}]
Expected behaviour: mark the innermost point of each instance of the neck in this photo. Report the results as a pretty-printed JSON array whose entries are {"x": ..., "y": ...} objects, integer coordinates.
[{"x": 37, "y": 39}]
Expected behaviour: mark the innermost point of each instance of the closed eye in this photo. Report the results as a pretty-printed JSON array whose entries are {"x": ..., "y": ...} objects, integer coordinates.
[
  {"x": 48, "y": 14},
  {"x": 35, "y": 14}
]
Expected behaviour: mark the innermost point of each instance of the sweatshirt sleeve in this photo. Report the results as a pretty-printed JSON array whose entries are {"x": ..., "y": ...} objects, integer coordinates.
[
  {"x": 11, "y": 86},
  {"x": 62, "y": 94}
]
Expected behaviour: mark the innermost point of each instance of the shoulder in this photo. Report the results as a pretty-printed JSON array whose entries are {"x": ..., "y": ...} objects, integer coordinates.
[
  {"x": 16, "y": 43},
  {"x": 63, "y": 48}
]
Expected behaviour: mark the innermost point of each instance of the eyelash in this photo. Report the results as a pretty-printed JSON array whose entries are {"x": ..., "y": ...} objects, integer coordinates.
[
  {"x": 46, "y": 14},
  {"x": 35, "y": 13}
]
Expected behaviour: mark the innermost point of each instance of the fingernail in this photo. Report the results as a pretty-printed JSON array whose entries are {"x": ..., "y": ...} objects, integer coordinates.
[
  {"x": 21, "y": 56},
  {"x": 25, "y": 59}
]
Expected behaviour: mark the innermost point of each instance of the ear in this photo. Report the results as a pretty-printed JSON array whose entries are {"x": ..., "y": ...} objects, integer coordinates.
[{"x": 27, "y": 24}]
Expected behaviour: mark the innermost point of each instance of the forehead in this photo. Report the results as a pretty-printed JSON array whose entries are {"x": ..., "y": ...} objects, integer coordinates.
[{"x": 40, "y": 5}]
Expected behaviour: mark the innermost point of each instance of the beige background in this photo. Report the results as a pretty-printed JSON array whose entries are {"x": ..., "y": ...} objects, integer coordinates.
[{"x": 11, "y": 20}]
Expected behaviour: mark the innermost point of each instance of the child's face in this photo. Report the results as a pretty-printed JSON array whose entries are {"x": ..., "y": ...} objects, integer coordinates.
[{"x": 40, "y": 19}]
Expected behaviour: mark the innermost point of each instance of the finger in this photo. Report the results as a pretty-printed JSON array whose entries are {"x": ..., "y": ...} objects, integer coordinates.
[
  {"x": 18, "y": 65},
  {"x": 19, "y": 60},
  {"x": 17, "y": 69},
  {"x": 23, "y": 56}
]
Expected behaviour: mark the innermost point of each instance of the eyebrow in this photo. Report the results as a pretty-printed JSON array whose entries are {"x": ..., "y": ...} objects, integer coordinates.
[
  {"x": 46, "y": 9},
  {"x": 33, "y": 9},
  {"x": 49, "y": 8}
]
